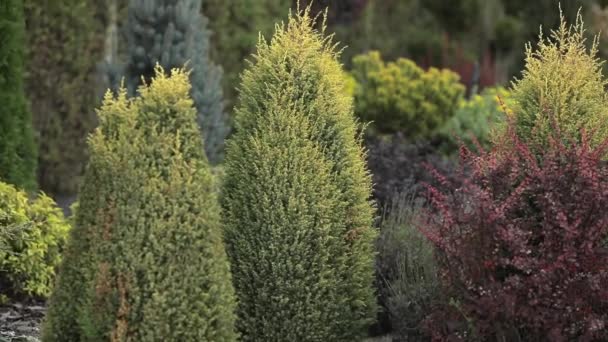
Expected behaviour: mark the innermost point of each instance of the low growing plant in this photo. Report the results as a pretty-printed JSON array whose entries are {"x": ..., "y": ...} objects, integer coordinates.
[{"x": 32, "y": 237}]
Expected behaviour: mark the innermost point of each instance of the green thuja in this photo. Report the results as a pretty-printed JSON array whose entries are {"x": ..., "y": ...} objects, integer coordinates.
[
  {"x": 298, "y": 221},
  {"x": 63, "y": 48},
  {"x": 562, "y": 88},
  {"x": 17, "y": 147},
  {"x": 174, "y": 33},
  {"x": 147, "y": 261}
]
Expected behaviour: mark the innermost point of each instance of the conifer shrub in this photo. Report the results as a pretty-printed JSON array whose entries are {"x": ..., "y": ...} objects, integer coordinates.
[
  {"x": 147, "y": 261},
  {"x": 175, "y": 34},
  {"x": 562, "y": 87},
  {"x": 32, "y": 237},
  {"x": 63, "y": 48},
  {"x": 17, "y": 147},
  {"x": 298, "y": 220},
  {"x": 476, "y": 121},
  {"x": 521, "y": 244},
  {"x": 402, "y": 97}
]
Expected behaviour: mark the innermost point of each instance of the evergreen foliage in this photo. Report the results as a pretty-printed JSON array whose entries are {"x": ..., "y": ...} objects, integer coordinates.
[
  {"x": 562, "y": 88},
  {"x": 236, "y": 26},
  {"x": 476, "y": 120},
  {"x": 174, "y": 33},
  {"x": 147, "y": 261},
  {"x": 63, "y": 48},
  {"x": 17, "y": 146},
  {"x": 32, "y": 237},
  {"x": 402, "y": 97},
  {"x": 298, "y": 221}
]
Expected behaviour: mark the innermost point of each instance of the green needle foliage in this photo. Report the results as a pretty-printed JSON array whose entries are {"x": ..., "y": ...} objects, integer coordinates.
[
  {"x": 17, "y": 147},
  {"x": 63, "y": 49},
  {"x": 174, "y": 33},
  {"x": 298, "y": 221},
  {"x": 562, "y": 88},
  {"x": 147, "y": 261}
]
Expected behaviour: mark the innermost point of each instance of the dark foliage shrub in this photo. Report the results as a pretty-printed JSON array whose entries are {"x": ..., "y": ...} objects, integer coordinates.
[
  {"x": 521, "y": 244},
  {"x": 298, "y": 218},
  {"x": 408, "y": 286},
  {"x": 17, "y": 147},
  {"x": 64, "y": 45},
  {"x": 398, "y": 165}
]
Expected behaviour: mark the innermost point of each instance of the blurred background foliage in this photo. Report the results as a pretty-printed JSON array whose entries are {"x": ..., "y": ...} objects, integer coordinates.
[{"x": 432, "y": 57}]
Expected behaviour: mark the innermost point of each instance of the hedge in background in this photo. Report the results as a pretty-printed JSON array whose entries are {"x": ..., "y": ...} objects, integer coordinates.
[
  {"x": 173, "y": 33},
  {"x": 236, "y": 26},
  {"x": 402, "y": 97},
  {"x": 32, "y": 237},
  {"x": 562, "y": 88},
  {"x": 147, "y": 260},
  {"x": 298, "y": 220},
  {"x": 17, "y": 147},
  {"x": 63, "y": 48}
]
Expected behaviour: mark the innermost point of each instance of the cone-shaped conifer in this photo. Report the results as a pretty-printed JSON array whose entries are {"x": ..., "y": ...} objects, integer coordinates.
[
  {"x": 147, "y": 261},
  {"x": 298, "y": 221}
]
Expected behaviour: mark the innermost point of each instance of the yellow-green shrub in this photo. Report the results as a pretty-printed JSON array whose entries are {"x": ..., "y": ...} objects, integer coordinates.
[
  {"x": 402, "y": 97},
  {"x": 562, "y": 88},
  {"x": 32, "y": 236}
]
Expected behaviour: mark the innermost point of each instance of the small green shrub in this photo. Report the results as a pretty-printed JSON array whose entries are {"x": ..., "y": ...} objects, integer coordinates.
[
  {"x": 31, "y": 241},
  {"x": 402, "y": 97},
  {"x": 408, "y": 284},
  {"x": 476, "y": 119},
  {"x": 562, "y": 88}
]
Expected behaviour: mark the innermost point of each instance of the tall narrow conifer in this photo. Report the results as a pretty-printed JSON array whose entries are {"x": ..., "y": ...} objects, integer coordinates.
[{"x": 298, "y": 220}]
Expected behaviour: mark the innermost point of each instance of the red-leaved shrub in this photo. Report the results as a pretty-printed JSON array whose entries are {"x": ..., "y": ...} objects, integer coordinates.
[{"x": 521, "y": 244}]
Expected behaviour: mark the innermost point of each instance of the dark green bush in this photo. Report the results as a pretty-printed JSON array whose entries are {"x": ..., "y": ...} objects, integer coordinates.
[
  {"x": 17, "y": 147},
  {"x": 298, "y": 220},
  {"x": 147, "y": 261},
  {"x": 402, "y": 97},
  {"x": 32, "y": 237},
  {"x": 63, "y": 49}
]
